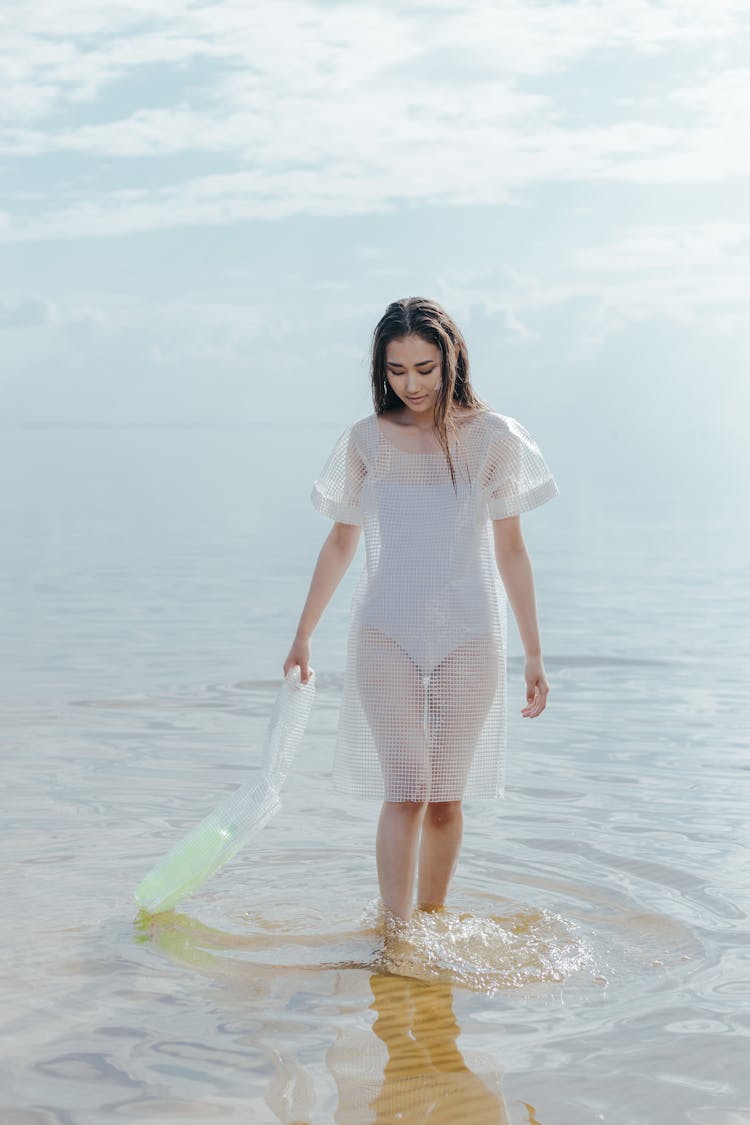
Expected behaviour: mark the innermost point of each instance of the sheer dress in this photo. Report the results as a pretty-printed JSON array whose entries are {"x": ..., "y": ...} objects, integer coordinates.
[{"x": 423, "y": 709}]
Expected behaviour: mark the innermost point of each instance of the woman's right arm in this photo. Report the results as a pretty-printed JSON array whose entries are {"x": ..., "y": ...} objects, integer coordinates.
[{"x": 336, "y": 554}]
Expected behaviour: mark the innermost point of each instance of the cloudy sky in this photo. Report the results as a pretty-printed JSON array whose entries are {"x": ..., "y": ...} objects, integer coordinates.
[{"x": 205, "y": 211}]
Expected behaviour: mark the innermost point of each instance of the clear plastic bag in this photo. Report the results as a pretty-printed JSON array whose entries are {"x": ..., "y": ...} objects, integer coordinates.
[{"x": 236, "y": 819}]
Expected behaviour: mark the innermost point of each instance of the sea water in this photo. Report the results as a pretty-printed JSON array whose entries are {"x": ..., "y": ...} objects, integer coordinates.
[{"x": 592, "y": 964}]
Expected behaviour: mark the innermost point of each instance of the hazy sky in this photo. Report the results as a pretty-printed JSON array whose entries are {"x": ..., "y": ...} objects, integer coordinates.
[{"x": 206, "y": 207}]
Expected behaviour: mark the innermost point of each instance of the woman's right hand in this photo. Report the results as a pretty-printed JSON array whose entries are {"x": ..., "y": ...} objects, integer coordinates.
[{"x": 299, "y": 653}]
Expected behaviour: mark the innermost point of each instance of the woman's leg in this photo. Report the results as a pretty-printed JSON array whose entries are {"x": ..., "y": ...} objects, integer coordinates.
[
  {"x": 390, "y": 688},
  {"x": 461, "y": 689},
  {"x": 392, "y": 697},
  {"x": 396, "y": 851},
  {"x": 442, "y": 829}
]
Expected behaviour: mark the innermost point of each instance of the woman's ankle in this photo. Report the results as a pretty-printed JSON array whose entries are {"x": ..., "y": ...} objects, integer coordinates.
[{"x": 431, "y": 907}]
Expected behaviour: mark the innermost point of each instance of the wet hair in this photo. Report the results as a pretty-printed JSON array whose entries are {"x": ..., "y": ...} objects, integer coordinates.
[{"x": 420, "y": 316}]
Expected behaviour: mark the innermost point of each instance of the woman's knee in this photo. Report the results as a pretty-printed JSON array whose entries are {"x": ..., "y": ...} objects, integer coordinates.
[
  {"x": 406, "y": 809},
  {"x": 441, "y": 814}
]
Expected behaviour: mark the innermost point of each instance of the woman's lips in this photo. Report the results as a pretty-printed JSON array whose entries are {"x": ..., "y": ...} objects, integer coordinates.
[{"x": 418, "y": 399}]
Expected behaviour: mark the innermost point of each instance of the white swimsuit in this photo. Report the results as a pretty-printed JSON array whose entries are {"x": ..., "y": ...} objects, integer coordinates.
[{"x": 423, "y": 713}]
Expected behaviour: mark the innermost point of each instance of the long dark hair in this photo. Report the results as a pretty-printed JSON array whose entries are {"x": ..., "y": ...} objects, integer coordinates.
[{"x": 420, "y": 316}]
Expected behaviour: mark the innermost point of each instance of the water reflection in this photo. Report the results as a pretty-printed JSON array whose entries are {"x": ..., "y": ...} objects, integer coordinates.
[
  {"x": 406, "y": 1067},
  {"x": 418, "y": 1074}
]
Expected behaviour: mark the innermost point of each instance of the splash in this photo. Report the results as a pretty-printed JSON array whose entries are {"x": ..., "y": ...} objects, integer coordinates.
[{"x": 485, "y": 954}]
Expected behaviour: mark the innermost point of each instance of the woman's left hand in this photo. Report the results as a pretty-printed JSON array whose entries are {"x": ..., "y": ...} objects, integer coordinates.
[{"x": 536, "y": 687}]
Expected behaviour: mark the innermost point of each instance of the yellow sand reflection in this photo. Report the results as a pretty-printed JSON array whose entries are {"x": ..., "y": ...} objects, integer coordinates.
[{"x": 418, "y": 1074}]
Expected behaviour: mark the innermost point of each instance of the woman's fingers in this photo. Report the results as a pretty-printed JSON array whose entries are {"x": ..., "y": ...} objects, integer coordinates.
[
  {"x": 301, "y": 661},
  {"x": 537, "y": 701}
]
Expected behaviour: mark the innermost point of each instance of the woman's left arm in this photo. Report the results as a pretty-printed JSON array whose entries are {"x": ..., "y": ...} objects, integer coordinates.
[{"x": 514, "y": 565}]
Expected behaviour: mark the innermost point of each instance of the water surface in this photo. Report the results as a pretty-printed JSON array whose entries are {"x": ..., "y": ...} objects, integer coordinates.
[{"x": 594, "y": 961}]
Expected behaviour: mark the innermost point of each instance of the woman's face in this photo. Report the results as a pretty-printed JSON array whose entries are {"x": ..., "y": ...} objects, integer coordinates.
[{"x": 412, "y": 368}]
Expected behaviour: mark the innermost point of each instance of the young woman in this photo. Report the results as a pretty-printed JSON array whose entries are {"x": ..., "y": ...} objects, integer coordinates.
[{"x": 437, "y": 481}]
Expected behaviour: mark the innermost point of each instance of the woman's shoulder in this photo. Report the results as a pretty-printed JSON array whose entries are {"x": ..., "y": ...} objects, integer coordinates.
[
  {"x": 361, "y": 430},
  {"x": 501, "y": 425},
  {"x": 356, "y": 428},
  {"x": 361, "y": 434},
  {"x": 484, "y": 422}
]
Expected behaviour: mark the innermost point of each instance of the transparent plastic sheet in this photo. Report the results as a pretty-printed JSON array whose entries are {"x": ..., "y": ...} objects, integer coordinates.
[{"x": 236, "y": 819}]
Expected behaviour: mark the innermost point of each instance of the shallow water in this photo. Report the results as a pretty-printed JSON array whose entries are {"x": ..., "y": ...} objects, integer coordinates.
[{"x": 594, "y": 960}]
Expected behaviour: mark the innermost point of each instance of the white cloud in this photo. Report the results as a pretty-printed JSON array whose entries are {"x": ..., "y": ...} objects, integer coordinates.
[
  {"x": 692, "y": 277},
  {"x": 352, "y": 108},
  {"x": 695, "y": 277},
  {"x": 54, "y": 54}
]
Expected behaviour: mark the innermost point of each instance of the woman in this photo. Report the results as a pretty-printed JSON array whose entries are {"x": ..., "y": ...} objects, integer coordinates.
[{"x": 437, "y": 481}]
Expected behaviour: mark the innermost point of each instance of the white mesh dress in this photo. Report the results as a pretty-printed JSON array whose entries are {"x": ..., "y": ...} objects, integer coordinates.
[{"x": 423, "y": 709}]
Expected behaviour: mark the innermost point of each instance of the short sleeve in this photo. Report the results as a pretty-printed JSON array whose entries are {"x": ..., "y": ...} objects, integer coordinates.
[
  {"x": 337, "y": 488},
  {"x": 517, "y": 478}
]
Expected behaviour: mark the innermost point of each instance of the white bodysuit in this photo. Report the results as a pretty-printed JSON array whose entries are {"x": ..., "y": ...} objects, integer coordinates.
[{"x": 423, "y": 710}]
